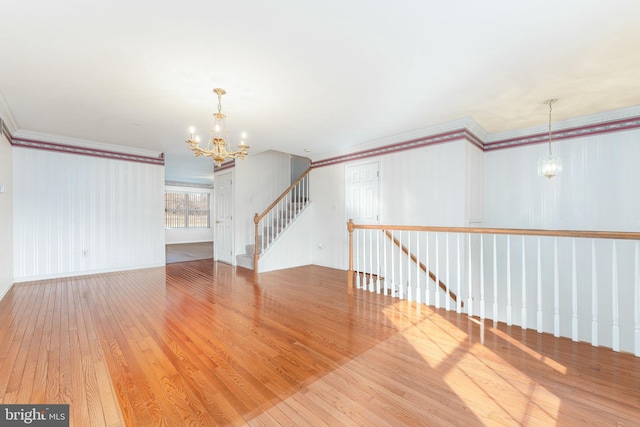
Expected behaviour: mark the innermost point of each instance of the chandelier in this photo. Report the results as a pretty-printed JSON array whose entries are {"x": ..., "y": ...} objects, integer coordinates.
[
  {"x": 218, "y": 146},
  {"x": 549, "y": 167}
]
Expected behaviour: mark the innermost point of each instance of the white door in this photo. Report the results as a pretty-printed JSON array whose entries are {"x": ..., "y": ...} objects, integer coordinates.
[
  {"x": 363, "y": 192},
  {"x": 223, "y": 238}
]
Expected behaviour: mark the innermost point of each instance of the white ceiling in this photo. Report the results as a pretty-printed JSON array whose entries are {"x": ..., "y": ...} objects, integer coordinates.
[{"x": 318, "y": 75}]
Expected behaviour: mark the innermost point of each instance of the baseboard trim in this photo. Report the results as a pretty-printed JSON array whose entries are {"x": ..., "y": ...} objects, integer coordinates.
[{"x": 85, "y": 273}]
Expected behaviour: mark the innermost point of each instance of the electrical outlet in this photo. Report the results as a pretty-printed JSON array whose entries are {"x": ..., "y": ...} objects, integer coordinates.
[{"x": 84, "y": 253}]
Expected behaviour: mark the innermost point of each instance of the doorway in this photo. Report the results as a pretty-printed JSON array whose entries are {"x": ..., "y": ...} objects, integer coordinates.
[{"x": 223, "y": 235}]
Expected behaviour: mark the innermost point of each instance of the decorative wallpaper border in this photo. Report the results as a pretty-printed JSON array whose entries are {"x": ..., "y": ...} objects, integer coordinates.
[
  {"x": 84, "y": 151},
  {"x": 226, "y": 165},
  {"x": 618, "y": 125},
  {"x": 465, "y": 134},
  {"x": 574, "y": 132},
  {"x": 397, "y": 147}
]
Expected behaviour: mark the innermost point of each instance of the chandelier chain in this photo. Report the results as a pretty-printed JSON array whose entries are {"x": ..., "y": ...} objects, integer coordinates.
[{"x": 550, "y": 102}]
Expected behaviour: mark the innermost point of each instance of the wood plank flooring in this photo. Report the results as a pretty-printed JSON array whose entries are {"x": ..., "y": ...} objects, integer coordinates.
[{"x": 199, "y": 343}]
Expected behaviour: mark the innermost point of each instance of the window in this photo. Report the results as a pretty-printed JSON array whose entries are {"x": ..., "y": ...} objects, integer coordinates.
[{"x": 186, "y": 210}]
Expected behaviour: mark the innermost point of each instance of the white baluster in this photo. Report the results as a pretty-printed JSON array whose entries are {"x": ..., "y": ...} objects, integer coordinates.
[
  {"x": 447, "y": 297},
  {"x": 294, "y": 200},
  {"x": 437, "y": 286},
  {"x": 594, "y": 296},
  {"x": 371, "y": 280},
  {"x": 459, "y": 279},
  {"x": 556, "y": 290},
  {"x": 427, "y": 292},
  {"x": 364, "y": 260},
  {"x": 400, "y": 284},
  {"x": 539, "y": 290},
  {"x": 495, "y": 280},
  {"x": 393, "y": 265},
  {"x": 409, "y": 296},
  {"x": 357, "y": 250},
  {"x": 614, "y": 300},
  {"x": 636, "y": 299},
  {"x": 470, "y": 299},
  {"x": 482, "y": 314},
  {"x": 509, "y": 308},
  {"x": 418, "y": 267},
  {"x": 574, "y": 292},
  {"x": 378, "y": 272},
  {"x": 524, "y": 288},
  {"x": 384, "y": 256}
]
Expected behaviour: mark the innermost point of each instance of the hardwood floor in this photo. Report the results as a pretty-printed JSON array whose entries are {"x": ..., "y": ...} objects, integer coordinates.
[{"x": 199, "y": 343}]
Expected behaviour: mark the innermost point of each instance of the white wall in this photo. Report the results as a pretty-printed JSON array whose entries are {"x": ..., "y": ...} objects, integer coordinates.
[
  {"x": 190, "y": 235},
  {"x": 426, "y": 186},
  {"x": 258, "y": 181},
  {"x": 78, "y": 214},
  {"x": 6, "y": 216},
  {"x": 292, "y": 249},
  {"x": 329, "y": 237},
  {"x": 599, "y": 188}
]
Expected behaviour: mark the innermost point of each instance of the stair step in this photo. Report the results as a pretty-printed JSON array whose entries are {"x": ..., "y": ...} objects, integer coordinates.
[
  {"x": 250, "y": 249},
  {"x": 244, "y": 261}
]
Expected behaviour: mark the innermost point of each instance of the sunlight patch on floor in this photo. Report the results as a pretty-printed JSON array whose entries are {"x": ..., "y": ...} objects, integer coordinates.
[{"x": 480, "y": 378}]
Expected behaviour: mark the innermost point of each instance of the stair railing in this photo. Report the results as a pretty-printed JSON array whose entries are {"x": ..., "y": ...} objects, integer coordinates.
[
  {"x": 584, "y": 285},
  {"x": 422, "y": 267},
  {"x": 279, "y": 214}
]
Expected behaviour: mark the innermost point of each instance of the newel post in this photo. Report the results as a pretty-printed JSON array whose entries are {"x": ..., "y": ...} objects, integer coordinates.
[
  {"x": 256, "y": 255},
  {"x": 350, "y": 228}
]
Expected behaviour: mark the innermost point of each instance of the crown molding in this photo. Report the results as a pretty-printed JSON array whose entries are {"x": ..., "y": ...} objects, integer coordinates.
[{"x": 6, "y": 118}]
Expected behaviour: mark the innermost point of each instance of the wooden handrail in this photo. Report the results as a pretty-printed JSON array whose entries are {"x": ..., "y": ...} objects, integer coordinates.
[
  {"x": 583, "y": 234},
  {"x": 423, "y": 267},
  {"x": 257, "y": 218},
  {"x": 621, "y": 235}
]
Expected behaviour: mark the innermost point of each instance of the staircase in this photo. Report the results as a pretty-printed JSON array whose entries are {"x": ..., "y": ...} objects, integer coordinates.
[{"x": 275, "y": 220}]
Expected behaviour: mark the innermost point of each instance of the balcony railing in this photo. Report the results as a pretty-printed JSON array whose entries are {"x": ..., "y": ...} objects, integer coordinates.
[{"x": 584, "y": 285}]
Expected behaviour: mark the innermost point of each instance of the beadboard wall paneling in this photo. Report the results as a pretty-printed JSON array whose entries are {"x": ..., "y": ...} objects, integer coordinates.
[
  {"x": 6, "y": 215},
  {"x": 78, "y": 214},
  {"x": 599, "y": 188}
]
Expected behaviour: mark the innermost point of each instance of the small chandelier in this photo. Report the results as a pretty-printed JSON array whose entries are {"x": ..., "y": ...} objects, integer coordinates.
[
  {"x": 218, "y": 146},
  {"x": 549, "y": 167}
]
